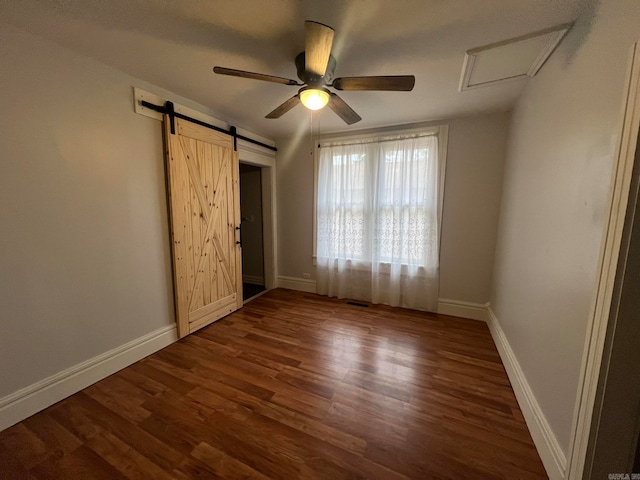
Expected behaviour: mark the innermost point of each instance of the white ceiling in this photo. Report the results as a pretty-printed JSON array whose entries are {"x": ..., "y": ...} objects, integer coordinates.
[{"x": 175, "y": 44}]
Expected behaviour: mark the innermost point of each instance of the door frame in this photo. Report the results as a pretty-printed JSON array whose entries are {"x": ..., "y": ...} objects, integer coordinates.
[
  {"x": 595, "y": 361},
  {"x": 265, "y": 159}
]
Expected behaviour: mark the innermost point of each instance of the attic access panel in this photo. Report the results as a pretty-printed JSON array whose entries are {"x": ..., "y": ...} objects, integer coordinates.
[{"x": 510, "y": 59}]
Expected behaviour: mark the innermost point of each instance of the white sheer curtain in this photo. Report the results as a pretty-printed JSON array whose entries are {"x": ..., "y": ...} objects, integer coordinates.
[{"x": 377, "y": 221}]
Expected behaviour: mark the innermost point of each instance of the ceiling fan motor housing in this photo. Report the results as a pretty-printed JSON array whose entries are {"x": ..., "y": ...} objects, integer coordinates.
[{"x": 311, "y": 79}]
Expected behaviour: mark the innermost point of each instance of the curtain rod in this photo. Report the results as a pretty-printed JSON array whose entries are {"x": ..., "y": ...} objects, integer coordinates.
[
  {"x": 168, "y": 109},
  {"x": 380, "y": 139}
]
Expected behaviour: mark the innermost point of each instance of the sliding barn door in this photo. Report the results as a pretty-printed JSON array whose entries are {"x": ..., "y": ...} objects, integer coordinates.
[{"x": 205, "y": 211}]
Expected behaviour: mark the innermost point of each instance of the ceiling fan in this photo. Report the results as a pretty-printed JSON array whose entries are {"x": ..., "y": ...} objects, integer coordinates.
[{"x": 315, "y": 67}]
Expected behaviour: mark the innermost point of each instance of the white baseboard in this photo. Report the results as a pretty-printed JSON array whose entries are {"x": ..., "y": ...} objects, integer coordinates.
[
  {"x": 295, "y": 283},
  {"x": 455, "y": 308},
  {"x": 553, "y": 458},
  {"x": 458, "y": 308},
  {"x": 22, "y": 404},
  {"x": 253, "y": 279}
]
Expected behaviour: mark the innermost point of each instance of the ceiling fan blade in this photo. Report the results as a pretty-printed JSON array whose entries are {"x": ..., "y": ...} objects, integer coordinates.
[
  {"x": 254, "y": 76},
  {"x": 398, "y": 83},
  {"x": 285, "y": 107},
  {"x": 318, "y": 39},
  {"x": 344, "y": 111}
]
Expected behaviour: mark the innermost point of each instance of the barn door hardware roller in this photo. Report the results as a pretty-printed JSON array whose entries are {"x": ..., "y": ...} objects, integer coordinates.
[{"x": 169, "y": 109}]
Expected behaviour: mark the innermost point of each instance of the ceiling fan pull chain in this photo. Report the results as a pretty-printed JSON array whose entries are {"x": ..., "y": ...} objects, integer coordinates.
[{"x": 311, "y": 130}]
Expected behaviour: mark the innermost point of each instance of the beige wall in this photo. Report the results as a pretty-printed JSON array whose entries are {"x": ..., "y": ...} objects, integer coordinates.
[
  {"x": 294, "y": 176},
  {"x": 470, "y": 212},
  {"x": 473, "y": 185},
  {"x": 84, "y": 249},
  {"x": 557, "y": 177}
]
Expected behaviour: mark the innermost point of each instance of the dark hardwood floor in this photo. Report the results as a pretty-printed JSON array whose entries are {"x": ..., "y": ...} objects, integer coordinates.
[{"x": 294, "y": 385}]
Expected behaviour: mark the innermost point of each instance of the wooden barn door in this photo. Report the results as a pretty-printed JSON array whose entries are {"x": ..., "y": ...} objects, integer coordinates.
[{"x": 205, "y": 210}]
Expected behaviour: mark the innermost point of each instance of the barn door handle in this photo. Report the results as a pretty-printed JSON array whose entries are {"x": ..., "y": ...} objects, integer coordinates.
[{"x": 239, "y": 242}]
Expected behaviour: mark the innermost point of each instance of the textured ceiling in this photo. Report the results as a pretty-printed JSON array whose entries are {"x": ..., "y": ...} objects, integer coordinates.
[{"x": 175, "y": 44}]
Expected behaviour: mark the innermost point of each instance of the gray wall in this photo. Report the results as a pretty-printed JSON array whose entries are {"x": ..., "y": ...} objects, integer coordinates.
[
  {"x": 470, "y": 212},
  {"x": 84, "y": 249},
  {"x": 554, "y": 204},
  {"x": 85, "y": 262}
]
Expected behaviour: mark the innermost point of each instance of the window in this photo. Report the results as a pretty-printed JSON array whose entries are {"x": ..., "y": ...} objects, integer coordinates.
[{"x": 378, "y": 206}]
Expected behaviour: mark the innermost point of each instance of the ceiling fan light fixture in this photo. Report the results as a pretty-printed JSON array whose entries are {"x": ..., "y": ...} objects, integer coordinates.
[{"x": 314, "y": 98}]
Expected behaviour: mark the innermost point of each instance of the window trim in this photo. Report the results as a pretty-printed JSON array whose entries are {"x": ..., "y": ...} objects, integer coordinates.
[{"x": 441, "y": 131}]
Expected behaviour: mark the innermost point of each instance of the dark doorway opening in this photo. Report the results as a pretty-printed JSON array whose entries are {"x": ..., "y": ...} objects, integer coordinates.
[{"x": 253, "y": 282}]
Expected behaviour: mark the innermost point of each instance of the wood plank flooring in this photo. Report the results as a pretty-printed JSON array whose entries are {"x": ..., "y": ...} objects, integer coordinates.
[{"x": 293, "y": 385}]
